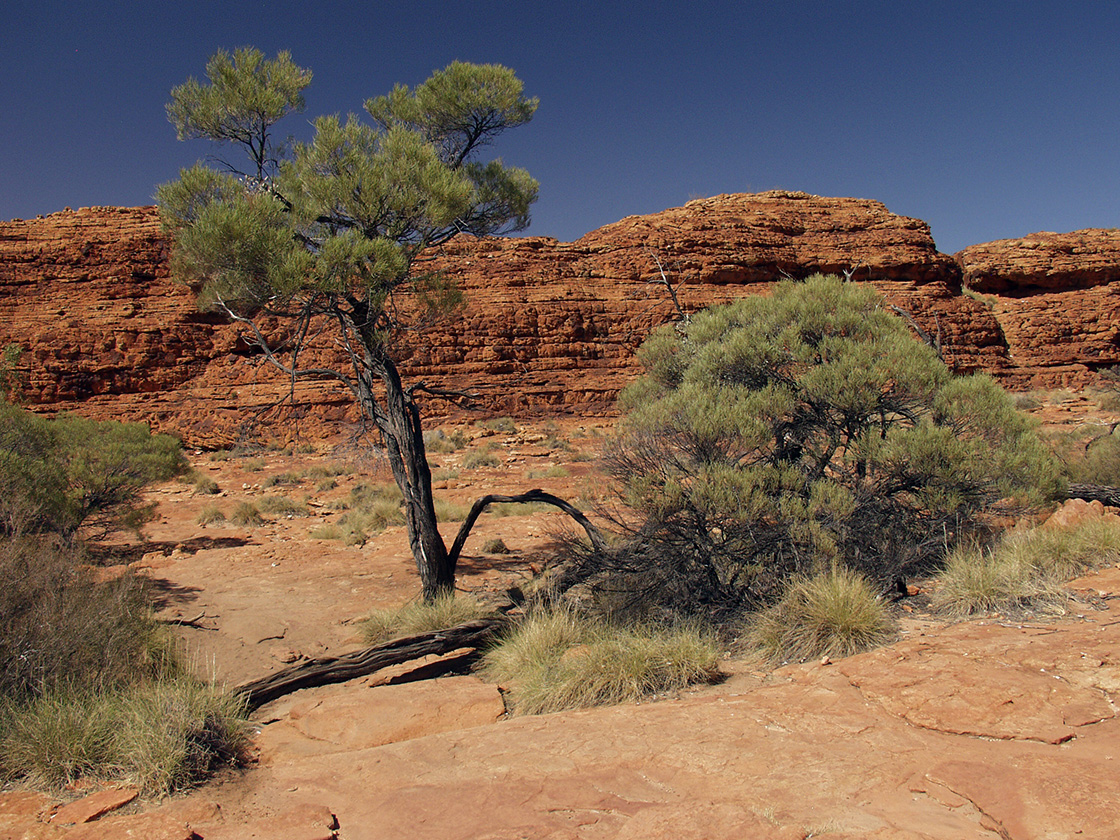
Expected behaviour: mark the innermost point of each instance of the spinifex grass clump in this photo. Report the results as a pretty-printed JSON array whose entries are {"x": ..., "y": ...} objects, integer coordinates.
[
  {"x": 833, "y": 614},
  {"x": 557, "y": 660},
  {"x": 163, "y": 736},
  {"x": 421, "y": 617},
  {"x": 1025, "y": 571}
]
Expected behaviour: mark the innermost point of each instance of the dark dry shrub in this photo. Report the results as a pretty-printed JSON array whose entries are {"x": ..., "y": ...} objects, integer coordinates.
[
  {"x": 210, "y": 515},
  {"x": 60, "y": 627},
  {"x": 495, "y": 546}
]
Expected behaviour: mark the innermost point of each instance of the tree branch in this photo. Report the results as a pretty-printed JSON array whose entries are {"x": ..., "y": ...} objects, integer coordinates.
[{"x": 593, "y": 534}]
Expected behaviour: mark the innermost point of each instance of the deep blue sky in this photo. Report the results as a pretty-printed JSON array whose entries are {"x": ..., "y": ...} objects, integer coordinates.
[{"x": 986, "y": 119}]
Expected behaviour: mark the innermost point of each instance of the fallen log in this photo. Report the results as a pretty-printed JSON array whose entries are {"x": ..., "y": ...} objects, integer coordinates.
[
  {"x": 1094, "y": 493},
  {"x": 328, "y": 670}
]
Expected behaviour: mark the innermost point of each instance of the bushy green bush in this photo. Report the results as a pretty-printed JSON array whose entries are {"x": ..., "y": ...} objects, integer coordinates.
[
  {"x": 779, "y": 435},
  {"x": 70, "y": 473}
]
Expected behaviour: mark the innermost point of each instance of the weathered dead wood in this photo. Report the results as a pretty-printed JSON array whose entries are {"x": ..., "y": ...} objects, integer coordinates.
[
  {"x": 1094, "y": 493},
  {"x": 328, "y": 670},
  {"x": 527, "y": 497}
]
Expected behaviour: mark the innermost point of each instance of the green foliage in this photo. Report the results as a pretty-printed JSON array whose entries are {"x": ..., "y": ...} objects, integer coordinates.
[
  {"x": 204, "y": 485},
  {"x": 247, "y": 94},
  {"x": 415, "y": 617},
  {"x": 11, "y": 379},
  {"x": 1095, "y": 461},
  {"x": 70, "y": 473},
  {"x": 558, "y": 660},
  {"x": 835, "y": 613},
  {"x": 777, "y": 435},
  {"x": 1025, "y": 570},
  {"x": 281, "y": 506}
]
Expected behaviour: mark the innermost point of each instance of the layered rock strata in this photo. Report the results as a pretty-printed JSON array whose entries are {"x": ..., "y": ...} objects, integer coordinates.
[{"x": 548, "y": 326}]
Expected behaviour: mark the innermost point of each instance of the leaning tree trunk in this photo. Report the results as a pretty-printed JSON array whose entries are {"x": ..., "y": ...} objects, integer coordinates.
[{"x": 404, "y": 442}]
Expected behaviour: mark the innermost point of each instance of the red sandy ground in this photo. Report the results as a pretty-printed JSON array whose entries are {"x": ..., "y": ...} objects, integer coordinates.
[{"x": 981, "y": 729}]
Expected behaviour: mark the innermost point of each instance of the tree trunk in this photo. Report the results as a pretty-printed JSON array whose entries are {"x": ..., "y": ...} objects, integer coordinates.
[{"x": 403, "y": 436}]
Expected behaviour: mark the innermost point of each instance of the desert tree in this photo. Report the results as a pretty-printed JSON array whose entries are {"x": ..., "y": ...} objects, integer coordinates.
[
  {"x": 327, "y": 236},
  {"x": 785, "y": 435}
]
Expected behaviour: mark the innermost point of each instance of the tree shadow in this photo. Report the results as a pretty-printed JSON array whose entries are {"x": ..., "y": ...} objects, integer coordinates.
[{"x": 165, "y": 593}]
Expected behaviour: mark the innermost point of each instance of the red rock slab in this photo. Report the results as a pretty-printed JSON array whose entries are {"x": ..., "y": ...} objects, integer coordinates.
[
  {"x": 20, "y": 809},
  {"x": 154, "y": 826},
  {"x": 92, "y": 807},
  {"x": 358, "y": 717},
  {"x": 301, "y": 822},
  {"x": 968, "y": 682}
]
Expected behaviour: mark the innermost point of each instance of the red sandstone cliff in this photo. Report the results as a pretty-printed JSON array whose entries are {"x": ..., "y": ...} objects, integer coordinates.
[{"x": 548, "y": 325}]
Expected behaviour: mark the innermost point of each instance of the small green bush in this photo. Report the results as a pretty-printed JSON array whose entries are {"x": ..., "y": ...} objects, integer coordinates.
[
  {"x": 246, "y": 515},
  {"x": 327, "y": 532},
  {"x": 833, "y": 614},
  {"x": 555, "y": 660},
  {"x": 421, "y": 617},
  {"x": 204, "y": 485},
  {"x": 480, "y": 458},
  {"x": 504, "y": 425},
  {"x": 68, "y": 474},
  {"x": 281, "y": 506},
  {"x": 286, "y": 478},
  {"x": 447, "y": 511},
  {"x": 210, "y": 515}
]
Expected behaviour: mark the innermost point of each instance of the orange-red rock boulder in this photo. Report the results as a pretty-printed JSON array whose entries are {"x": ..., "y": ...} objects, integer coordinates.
[{"x": 1055, "y": 296}]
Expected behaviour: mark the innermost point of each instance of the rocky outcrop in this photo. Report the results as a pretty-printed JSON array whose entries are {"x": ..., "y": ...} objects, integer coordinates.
[
  {"x": 549, "y": 326},
  {"x": 1056, "y": 298}
]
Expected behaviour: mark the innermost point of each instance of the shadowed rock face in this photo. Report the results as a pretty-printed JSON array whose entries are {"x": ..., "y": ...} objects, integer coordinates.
[{"x": 548, "y": 326}]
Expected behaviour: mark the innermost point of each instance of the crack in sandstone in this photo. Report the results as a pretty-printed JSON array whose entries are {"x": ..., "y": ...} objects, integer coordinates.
[{"x": 982, "y": 736}]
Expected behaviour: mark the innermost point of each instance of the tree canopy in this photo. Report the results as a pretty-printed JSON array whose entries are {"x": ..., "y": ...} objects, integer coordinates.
[{"x": 325, "y": 235}]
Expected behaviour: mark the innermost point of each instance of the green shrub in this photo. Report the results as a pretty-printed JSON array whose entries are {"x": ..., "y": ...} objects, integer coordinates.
[
  {"x": 1025, "y": 570},
  {"x": 281, "y": 506},
  {"x": 210, "y": 515},
  {"x": 777, "y": 435},
  {"x": 286, "y": 478},
  {"x": 421, "y": 617},
  {"x": 370, "y": 509},
  {"x": 327, "y": 532},
  {"x": 504, "y": 425},
  {"x": 1096, "y": 461},
  {"x": 480, "y": 458},
  {"x": 70, "y": 473},
  {"x": 555, "y": 660},
  {"x": 447, "y": 511},
  {"x": 204, "y": 485},
  {"x": 836, "y": 613},
  {"x": 246, "y": 515}
]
